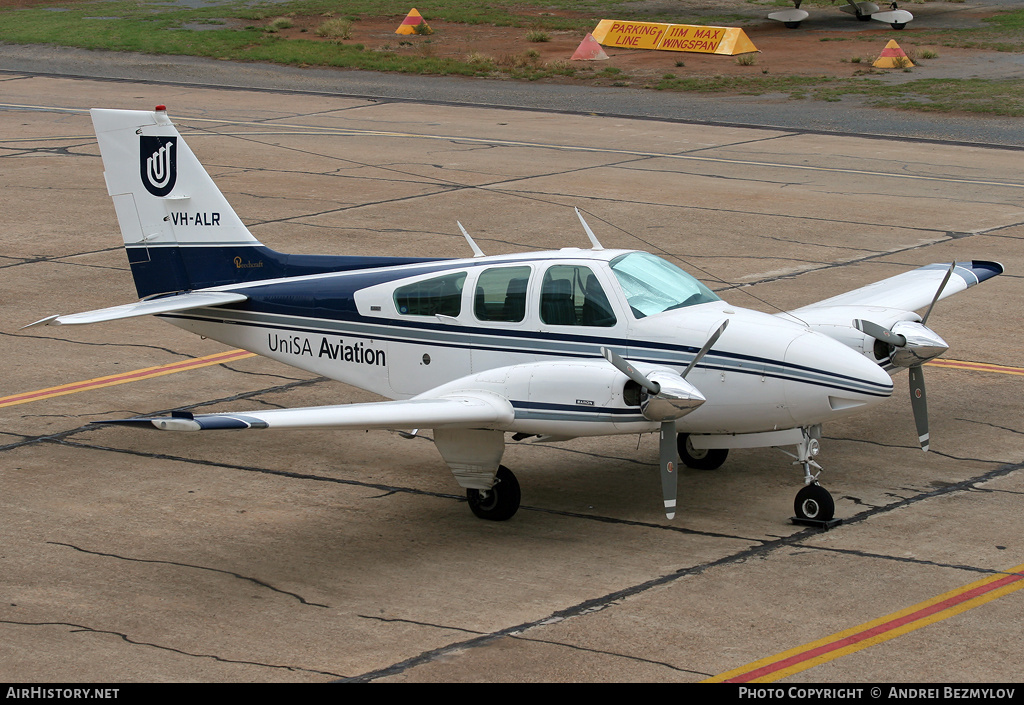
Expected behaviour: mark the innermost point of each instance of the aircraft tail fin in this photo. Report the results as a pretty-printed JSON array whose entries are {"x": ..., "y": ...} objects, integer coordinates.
[
  {"x": 169, "y": 209},
  {"x": 179, "y": 230}
]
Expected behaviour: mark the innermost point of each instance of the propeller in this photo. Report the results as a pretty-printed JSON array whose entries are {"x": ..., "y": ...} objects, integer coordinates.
[
  {"x": 913, "y": 345},
  {"x": 670, "y": 397}
]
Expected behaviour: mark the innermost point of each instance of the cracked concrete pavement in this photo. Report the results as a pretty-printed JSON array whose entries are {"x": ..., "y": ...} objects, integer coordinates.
[{"x": 140, "y": 557}]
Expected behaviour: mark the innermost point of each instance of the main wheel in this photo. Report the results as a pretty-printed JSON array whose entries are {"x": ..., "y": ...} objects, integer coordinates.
[
  {"x": 699, "y": 458},
  {"x": 499, "y": 503},
  {"x": 814, "y": 502}
]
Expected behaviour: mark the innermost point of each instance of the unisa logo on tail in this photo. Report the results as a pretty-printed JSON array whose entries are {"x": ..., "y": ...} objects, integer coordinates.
[{"x": 158, "y": 163}]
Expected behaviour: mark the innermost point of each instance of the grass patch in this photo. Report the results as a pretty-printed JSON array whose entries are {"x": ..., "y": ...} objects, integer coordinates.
[
  {"x": 337, "y": 28},
  {"x": 279, "y": 24},
  {"x": 1003, "y": 98},
  {"x": 744, "y": 85}
]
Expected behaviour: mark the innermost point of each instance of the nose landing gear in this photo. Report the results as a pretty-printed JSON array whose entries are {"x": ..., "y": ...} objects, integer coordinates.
[{"x": 813, "y": 505}]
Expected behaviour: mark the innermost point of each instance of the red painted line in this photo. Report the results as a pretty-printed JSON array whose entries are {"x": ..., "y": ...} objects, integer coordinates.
[{"x": 877, "y": 630}]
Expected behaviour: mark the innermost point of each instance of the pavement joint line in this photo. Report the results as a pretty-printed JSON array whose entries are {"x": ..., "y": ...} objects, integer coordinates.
[
  {"x": 877, "y": 631},
  {"x": 308, "y": 130}
]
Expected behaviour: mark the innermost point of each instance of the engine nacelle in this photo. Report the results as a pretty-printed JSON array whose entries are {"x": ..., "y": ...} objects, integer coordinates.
[{"x": 581, "y": 398}]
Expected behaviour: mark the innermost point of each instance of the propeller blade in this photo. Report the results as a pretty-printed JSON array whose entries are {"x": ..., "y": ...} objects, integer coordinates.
[
  {"x": 949, "y": 273},
  {"x": 669, "y": 467},
  {"x": 707, "y": 346},
  {"x": 918, "y": 401},
  {"x": 630, "y": 371},
  {"x": 879, "y": 333}
]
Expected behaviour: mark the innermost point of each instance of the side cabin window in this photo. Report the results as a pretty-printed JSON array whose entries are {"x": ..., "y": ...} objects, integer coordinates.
[
  {"x": 572, "y": 296},
  {"x": 501, "y": 294},
  {"x": 430, "y": 297}
]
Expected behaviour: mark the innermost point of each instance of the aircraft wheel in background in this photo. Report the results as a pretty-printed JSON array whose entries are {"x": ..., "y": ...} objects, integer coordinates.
[{"x": 699, "y": 458}]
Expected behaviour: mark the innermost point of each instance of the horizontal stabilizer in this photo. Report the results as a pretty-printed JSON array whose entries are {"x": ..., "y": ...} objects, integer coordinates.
[
  {"x": 168, "y": 304},
  {"x": 468, "y": 411}
]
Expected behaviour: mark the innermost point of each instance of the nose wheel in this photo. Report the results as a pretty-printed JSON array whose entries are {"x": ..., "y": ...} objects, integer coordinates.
[
  {"x": 813, "y": 505},
  {"x": 814, "y": 502}
]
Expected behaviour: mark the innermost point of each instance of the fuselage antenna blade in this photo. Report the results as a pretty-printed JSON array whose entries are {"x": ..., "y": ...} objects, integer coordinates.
[
  {"x": 477, "y": 252},
  {"x": 590, "y": 233}
]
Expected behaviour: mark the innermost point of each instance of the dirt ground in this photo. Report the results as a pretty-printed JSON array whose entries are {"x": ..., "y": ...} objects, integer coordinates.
[{"x": 829, "y": 42}]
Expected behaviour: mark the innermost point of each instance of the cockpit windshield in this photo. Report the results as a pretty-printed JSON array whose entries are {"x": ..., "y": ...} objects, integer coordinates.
[{"x": 652, "y": 285}]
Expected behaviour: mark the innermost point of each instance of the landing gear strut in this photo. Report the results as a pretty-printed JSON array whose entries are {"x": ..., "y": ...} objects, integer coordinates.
[
  {"x": 813, "y": 505},
  {"x": 499, "y": 503}
]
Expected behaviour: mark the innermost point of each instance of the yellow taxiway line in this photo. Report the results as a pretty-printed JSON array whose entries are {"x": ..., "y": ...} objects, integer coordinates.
[
  {"x": 977, "y": 367},
  {"x": 777, "y": 667},
  {"x": 125, "y": 377}
]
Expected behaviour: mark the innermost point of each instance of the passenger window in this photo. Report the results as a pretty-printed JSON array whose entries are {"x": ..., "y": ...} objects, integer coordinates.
[
  {"x": 501, "y": 294},
  {"x": 440, "y": 295},
  {"x": 572, "y": 296}
]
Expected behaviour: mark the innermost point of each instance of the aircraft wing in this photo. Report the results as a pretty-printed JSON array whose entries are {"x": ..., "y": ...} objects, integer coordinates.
[
  {"x": 911, "y": 290},
  {"x": 466, "y": 410},
  {"x": 167, "y": 304}
]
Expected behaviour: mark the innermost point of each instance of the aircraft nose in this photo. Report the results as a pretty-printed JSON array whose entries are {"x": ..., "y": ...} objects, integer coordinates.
[{"x": 826, "y": 379}]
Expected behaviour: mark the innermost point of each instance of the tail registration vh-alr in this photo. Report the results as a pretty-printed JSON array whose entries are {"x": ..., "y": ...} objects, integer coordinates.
[{"x": 540, "y": 346}]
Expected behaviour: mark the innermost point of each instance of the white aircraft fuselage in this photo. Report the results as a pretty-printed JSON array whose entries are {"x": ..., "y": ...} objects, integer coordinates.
[{"x": 765, "y": 373}]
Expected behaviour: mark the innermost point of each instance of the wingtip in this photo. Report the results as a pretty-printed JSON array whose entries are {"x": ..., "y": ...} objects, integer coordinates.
[{"x": 49, "y": 320}]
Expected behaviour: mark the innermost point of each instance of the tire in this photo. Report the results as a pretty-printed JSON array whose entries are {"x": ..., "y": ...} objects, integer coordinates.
[
  {"x": 699, "y": 459},
  {"x": 501, "y": 502},
  {"x": 899, "y": 25},
  {"x": 814, "y": 502}
]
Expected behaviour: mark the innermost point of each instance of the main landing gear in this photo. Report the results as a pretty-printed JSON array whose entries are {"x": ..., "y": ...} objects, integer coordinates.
[
  {"x": 499, "y": 503},
  {"x": 699, "y": 458}
]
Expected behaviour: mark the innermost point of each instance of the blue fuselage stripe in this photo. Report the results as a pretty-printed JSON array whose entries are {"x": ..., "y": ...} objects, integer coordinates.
[{"x": 535, "y": 343}]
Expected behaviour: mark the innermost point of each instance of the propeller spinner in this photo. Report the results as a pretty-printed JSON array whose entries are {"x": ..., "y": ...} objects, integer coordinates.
[{"x": 669, "y": 397}]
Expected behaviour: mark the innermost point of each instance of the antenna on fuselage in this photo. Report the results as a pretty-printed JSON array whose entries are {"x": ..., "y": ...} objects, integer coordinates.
[
  {"x": 590, "y": 233},
  {"x": 477, "y": 252}
]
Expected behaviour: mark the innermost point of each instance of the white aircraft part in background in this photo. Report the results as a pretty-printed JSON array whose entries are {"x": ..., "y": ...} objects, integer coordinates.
[{"x": 863, "y": 11}]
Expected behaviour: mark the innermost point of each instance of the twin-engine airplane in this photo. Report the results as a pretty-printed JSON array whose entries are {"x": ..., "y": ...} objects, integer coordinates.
[
  {"x": 863, "y": 11},
  {"x": 544, "y": 346}
]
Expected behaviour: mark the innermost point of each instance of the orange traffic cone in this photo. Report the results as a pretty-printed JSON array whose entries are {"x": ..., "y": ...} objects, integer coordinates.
[
  {"x": 414, "y": 24},
  {"x": 589, "y": 50}
]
